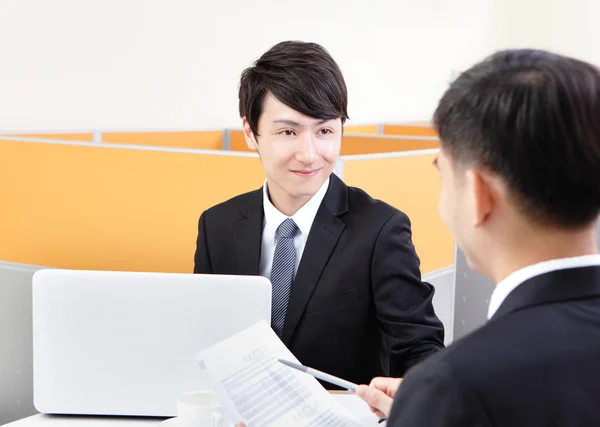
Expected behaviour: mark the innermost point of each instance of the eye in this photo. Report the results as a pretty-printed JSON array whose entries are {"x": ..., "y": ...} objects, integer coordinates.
[
  {"x": 287, "y": 132},
  {"x": 325, "y": 132}
]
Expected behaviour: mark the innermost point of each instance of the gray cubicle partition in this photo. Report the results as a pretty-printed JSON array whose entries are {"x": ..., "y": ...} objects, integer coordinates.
[
  {"x": 472, "y": 295},
  {"x": 443, "y": 298},
  {"x": 16, "y": 347}
]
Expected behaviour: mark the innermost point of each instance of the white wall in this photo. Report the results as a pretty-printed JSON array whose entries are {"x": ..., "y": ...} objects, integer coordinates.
[
  {"x": 567, "y": 27},
  {"x": 175, "y": 64}
]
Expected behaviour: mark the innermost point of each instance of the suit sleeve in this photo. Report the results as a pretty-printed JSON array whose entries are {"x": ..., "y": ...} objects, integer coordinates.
[
  {"x": 202, "y": 263},
  {"x": 431, "y": 396},
  {"x": 410, "y": 328}
]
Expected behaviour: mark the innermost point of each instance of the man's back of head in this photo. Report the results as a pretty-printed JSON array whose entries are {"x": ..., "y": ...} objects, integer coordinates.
[
  {"x": 520, "y": 136},
  {"x": 520, "y": 178}
]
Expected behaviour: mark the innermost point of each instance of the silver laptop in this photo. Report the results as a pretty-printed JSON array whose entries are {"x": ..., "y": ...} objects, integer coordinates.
[{"x": 121, "y": 343}]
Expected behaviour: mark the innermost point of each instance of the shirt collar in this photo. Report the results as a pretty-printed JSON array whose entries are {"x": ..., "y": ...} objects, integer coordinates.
[
  {"x": 303, "y": 218},
  {"x": 506, "y": 286}
]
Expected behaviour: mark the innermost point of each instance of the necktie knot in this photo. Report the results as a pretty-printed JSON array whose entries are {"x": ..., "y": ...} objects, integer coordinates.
[{"x": 287, "y": 229}]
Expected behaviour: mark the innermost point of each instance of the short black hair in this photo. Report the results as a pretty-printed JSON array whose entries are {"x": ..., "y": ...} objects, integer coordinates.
[
  {"x": 532, "y": 117},
  {"x": 302, "y": 76}
]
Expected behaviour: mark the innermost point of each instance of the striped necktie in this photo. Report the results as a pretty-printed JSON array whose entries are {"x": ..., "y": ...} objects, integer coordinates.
[{"x": 282, "y": 273}]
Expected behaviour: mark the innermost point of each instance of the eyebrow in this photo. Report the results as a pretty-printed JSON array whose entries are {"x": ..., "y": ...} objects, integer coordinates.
[
  {"x": 296, "y": 124},
  {"x": 287, "y": 122}
]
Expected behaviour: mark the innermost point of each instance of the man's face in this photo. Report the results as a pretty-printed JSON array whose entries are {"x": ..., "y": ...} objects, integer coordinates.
[{"x": 298, "y": 152}]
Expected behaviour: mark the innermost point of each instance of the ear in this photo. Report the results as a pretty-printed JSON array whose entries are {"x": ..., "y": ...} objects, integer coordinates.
[
  {"x": 249, "y": 135},
  {"x": 481, "y": 196}
]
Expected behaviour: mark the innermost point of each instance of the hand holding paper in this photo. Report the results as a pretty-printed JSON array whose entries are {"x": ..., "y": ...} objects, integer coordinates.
[{"x": 257, "y": 389}]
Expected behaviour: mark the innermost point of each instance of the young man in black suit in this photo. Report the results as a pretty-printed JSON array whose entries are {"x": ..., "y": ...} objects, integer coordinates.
[
  {"x": 347, "y": 292},
  {"x": 520, "y": 171}
]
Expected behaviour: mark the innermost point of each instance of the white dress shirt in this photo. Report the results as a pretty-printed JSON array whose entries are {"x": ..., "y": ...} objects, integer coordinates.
[
  {"x": 304, "y": 219},
  {"x": 509, "y": 284}
]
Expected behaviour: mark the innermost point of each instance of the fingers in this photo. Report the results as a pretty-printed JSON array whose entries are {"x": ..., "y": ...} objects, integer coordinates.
[
  {"x": 388, "y": 385},
  {"x": 376, "y": 399}
]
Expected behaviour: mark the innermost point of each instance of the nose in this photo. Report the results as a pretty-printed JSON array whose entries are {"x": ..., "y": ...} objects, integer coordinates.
[{"x": 307, "y": 150}]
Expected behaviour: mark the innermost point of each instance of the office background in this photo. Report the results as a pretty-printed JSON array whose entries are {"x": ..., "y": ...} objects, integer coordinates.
[{"x": 95, "y": 94}]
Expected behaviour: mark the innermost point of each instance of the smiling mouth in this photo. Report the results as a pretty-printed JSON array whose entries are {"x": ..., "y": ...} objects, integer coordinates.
[{"x": 308, "y": 172}]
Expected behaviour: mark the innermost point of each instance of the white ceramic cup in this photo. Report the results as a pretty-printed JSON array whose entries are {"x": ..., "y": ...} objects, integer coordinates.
[{"x": 200, "y": 409}]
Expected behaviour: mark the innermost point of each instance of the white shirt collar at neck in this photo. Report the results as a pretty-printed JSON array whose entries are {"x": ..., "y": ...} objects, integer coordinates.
[
  {"x": 303, "y": 218},
  {"x": 510, "y": 283}
]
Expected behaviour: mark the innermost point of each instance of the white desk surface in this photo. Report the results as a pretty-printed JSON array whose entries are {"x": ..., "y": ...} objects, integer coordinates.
[{"x": 353, "y": 403}]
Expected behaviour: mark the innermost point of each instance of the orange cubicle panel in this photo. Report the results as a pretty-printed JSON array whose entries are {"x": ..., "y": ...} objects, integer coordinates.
[
  {"x": 409, "y": 130},
  {"x": 362, "y": 129},
  {"x": 237, "y": 142},
  {"x": 94, "y": 207},
  {"x": 363, "y": 144},
  {"x": 411, "y": 184},
  {"x": 208, "y": 140},
  {"x": 85, "y": 137}
]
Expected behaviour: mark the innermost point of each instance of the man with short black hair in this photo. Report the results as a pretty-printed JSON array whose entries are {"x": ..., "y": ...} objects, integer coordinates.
[
  {"x": 347, "y": 293},
  {"x": 520, "y": 173}
]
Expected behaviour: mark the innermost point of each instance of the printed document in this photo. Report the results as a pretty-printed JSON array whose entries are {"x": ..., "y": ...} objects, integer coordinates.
[{"x": 257, "y": 389}]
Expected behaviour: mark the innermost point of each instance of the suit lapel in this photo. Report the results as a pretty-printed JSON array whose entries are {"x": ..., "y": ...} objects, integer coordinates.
[
  {"x": 248, "y": 236},
  {"x": 322, "y": 239},
  {"x": 561, "y": 285}
]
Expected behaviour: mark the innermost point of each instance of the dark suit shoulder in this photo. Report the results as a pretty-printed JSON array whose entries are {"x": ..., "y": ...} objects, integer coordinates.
[
  {"x": 235, "y": 207},
  {"x": 432, "y": 395},
  {"x": 549, "y": 336},
  {"x": 465, "y": 381},
  {"x": 546, "y": 354},
  {"x": 480, "y": 358},
  {"x": 361, "y": 203}
]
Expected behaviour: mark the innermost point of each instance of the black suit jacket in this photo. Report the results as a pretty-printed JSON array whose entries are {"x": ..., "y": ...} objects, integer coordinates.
[
  {"x": 357, "y": 307},
  {"x": 535, "y": 363}
]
